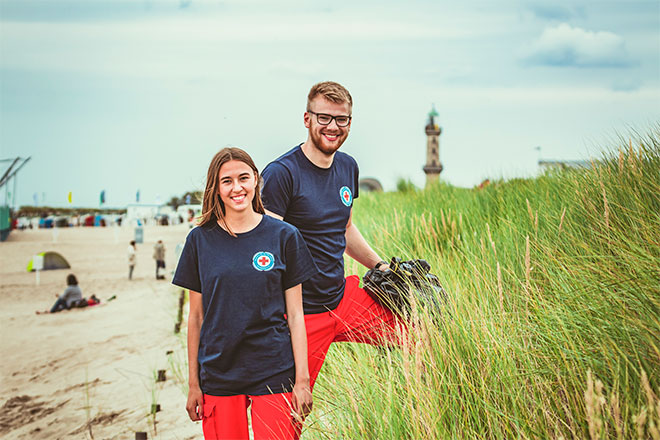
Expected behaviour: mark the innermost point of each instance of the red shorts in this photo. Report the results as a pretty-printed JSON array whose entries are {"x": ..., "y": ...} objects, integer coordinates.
[
  {"x": 225, "y": 417},
  {"x": 357, "y": 318}
]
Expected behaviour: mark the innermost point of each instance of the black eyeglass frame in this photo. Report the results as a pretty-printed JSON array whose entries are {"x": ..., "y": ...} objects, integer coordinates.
[{"x": 331, "y": 118}]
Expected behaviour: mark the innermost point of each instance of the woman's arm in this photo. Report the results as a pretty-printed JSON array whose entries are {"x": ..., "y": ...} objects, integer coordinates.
[
  {"x": 194, "y": 406},
  {"x": 302, "y": 392}
]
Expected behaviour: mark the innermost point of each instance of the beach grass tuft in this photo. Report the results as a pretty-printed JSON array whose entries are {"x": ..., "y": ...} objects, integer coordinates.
[{"x": 552, "y": 327}]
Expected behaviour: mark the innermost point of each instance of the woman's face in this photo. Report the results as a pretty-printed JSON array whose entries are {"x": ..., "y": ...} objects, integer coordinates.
[{"x": 237, "y": 186}]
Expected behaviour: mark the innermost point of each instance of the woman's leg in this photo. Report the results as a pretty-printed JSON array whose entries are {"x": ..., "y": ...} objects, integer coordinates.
[
  {"x": 225, "y": 417},
  {"x": 130, "y": 272},
  {"x": 272, "y": 418},
  {"x": 60, "y": 304}
]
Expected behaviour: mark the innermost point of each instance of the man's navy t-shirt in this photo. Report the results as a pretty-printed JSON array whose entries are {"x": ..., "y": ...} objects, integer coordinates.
[
  {"x": 318, "y": 202},
  {"x": 245, "y": 344}
]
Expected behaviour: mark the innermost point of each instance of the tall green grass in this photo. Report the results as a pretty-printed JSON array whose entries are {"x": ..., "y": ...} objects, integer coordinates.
[{"x": 552, "y": 329}]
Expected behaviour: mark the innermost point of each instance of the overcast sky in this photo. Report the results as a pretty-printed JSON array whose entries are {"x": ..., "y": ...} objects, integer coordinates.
[{"x": 127, "y": 95}]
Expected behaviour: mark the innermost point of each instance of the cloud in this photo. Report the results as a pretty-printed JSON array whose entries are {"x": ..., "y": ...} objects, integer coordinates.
[{"x": 567, "y": 46}]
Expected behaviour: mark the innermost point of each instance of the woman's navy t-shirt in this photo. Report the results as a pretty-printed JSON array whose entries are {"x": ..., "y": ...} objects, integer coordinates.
[{"x": 245, "y": 344}]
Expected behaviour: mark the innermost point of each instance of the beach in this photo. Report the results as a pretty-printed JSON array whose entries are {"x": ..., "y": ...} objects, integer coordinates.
[{"x": 92, "y": 371}]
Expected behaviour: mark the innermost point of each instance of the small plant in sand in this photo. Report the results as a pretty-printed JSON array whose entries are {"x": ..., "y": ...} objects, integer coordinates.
[
  {"x": 154, "y": 406},
  {"x": 178, "y": 365},
  {"x": 88, "y": 406}
]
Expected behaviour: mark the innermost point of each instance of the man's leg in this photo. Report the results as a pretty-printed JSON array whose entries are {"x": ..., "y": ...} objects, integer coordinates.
[
  {"x": 361, "y": 319},
  {"x": 272, "y": 418},
  {"x": 225, "y": 417}
]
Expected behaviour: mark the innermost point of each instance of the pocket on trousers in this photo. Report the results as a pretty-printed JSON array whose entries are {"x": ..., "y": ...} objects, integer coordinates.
[
  {"x": 208, "y": 422},
  {"x": 208, "y": 410}
]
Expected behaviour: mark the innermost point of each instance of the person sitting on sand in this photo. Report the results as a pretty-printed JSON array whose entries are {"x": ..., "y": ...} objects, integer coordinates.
[
  {"x": 246, "y": 329},
  {"x": 72, "y": 294}
]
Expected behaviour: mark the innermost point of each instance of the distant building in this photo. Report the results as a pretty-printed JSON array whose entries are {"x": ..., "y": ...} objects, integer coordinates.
[
  {"x": 369, "y": 184},
  {"x": 545, "y": 164},
  {"x": 189, "y": 212},
  {"x": 8, "y": 174},
  {"x": 147, "y": 213},
  {"x": 433, "y": 167}
]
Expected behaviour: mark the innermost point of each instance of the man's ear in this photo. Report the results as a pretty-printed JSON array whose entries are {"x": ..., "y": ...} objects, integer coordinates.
[{"x": 307, "y": 120}]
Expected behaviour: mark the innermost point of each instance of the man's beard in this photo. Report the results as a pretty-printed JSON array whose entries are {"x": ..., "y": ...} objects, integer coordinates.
[{"x": 320, "y": 146}]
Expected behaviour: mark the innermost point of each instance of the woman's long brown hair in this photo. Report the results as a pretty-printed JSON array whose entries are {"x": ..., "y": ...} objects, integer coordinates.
[{"x": 213, "y": 209}]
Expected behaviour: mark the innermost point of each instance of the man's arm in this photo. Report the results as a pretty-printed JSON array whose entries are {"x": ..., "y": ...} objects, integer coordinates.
[{"x": 357, "y": 247}]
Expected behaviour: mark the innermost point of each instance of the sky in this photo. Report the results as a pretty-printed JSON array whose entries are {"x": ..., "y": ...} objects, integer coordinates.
[{"x": 128, "y": 96}]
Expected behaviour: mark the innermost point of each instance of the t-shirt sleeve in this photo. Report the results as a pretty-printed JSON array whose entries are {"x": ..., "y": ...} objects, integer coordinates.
[
  {"x": 277, "y": 189},
  {"x": 187, "y": 271},
  {"x": 356, "y": 180},
  {"x": 299, "y": 262}
]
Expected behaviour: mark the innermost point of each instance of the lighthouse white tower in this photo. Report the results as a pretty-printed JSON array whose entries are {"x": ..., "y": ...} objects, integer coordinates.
[{"x": 433, "y": 167}]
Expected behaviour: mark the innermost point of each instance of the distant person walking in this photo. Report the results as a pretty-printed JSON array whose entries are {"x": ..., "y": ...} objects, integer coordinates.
[
  {"x": 71, "y": 295},
  {"x": 159, "y": 256},
  {"x": 131, "y": 259}
]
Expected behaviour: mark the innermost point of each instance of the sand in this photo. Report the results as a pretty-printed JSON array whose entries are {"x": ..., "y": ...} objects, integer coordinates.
[{"x": 63, "y": 374}]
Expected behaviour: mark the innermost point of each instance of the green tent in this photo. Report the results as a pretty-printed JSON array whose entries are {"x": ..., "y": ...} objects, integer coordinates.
[
  {"x": 5, "y": 222},
  {"x": 52, "y": 260}
]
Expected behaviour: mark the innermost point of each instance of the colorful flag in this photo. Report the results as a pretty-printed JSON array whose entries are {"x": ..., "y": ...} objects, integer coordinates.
[{"x": 102, "y": 197}]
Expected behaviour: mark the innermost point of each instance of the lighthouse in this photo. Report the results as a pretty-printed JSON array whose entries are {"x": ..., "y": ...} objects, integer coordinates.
[{"x": 433, "y": 167}]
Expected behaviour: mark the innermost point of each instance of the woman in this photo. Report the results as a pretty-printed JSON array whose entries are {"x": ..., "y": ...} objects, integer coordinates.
[
  {"x": 246, "y": 330},
  {"x": 70, "y": 297}
]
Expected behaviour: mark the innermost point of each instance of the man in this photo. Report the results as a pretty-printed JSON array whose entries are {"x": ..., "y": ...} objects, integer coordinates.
[
  {"x": 159, "y": 256},
  {"x": 313, "y": 187}
]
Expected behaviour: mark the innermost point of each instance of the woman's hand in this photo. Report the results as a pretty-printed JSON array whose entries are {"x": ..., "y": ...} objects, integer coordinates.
[
  {"x": 195, "y": 404},
  {"x": 301, "y": 398}
]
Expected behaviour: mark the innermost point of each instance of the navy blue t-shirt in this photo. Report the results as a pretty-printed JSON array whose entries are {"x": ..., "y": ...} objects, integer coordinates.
[
  {"x": 318, "y": 202},
  {"x": 245, "y": 344}
]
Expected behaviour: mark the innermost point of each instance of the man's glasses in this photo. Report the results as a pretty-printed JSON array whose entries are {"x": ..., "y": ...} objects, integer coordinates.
[{"x": 324, "y": 119}]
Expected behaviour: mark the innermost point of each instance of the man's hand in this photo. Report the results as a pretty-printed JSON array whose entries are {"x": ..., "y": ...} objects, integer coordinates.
[{"x": 382, "y": 266}]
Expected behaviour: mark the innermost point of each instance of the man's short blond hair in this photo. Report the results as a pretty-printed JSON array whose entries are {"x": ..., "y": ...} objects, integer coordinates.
[{"x": 330, "y": 90}]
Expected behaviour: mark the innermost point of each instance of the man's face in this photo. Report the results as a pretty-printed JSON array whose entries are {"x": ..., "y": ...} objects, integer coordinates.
[{"x": 327, "y": 138}]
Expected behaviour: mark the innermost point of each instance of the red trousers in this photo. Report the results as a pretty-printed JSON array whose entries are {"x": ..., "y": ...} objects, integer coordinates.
[
  {"x": 225, "y": 417},
  {"x": 357, "y": 318}
]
